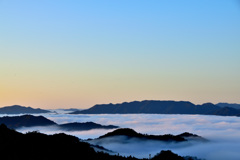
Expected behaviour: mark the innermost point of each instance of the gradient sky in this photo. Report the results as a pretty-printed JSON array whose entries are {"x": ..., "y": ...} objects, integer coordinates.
[{"x": 62, "y": 54}]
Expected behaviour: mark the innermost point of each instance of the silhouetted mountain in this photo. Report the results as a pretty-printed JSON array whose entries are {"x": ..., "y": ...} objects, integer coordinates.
[
  {"x": 38, "y": 146},
  {"x": 72, "y": 109},
  {"x": 227, "y": 111},
  {"x": 167, "y": 155},
  {"x": 232, "y": 105},
  {"x": 25, "y": 121},
  {"x": 16, "y": 109},
  {"x": 84, "y": 126},
  {"x": 98, "y": 148},
  {"x": 155, "y": 107},
  {"x": 190, "y": 136},
  {"x": 130, "y": 133},
  {"x": 15, "y": 122}
]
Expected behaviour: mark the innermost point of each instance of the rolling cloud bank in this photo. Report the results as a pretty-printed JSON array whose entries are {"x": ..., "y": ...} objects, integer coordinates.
[{"x": 223, "y": 133}]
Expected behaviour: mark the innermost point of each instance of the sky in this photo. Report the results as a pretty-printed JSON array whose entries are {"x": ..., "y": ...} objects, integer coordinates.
[{"x": 75, "y": 54}]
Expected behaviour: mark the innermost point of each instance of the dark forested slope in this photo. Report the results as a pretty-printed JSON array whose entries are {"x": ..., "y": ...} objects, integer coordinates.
[
  {"x": 15, "y": 122},
  {"x": 130, "y": 133},
  {"x": 38, "y": 146}
]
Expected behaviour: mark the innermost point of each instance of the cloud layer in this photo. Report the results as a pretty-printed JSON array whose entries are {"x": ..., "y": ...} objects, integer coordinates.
[{"x": 223, "y": 133}]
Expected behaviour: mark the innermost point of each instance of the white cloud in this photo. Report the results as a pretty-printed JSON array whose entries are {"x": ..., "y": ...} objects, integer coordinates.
[{"x": 223, "y": 133}]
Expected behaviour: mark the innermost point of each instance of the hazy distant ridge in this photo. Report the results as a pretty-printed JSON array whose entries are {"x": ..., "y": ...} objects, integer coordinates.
[
  {"x": 232, "y": 105},
  {"x": 17, "y": 109},
  {"x": 160, "y": 107},
  {"x": 33, "y": 121}
]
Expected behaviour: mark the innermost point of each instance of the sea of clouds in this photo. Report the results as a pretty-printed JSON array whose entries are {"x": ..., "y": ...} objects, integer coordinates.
[{"x": 223, "y": 133}]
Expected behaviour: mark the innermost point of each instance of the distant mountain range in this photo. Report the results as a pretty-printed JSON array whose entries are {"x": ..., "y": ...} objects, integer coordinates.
[
  {"x": 16, "y": 109},
  {"x": 232, "y": 105},
  {"x": 160, "y": 107},
  {"x": 135, "y": 107},
  {"x": 32, "y": 121},
  {"x": 130, "y": 133},
  {"x": 72, "y": 109}
]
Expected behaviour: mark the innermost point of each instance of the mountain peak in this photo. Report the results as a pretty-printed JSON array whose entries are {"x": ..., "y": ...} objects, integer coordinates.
[
  {"x": 130, "y": 133},
  {"x": 122, "y": 132}
]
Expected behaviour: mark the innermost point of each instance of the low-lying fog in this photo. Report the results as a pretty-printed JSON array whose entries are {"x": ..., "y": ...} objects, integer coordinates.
[{"x": 223, "y": 133}]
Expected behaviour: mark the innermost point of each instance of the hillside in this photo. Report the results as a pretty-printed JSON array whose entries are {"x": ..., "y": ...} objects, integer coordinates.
[
  {"x": 16, "y": 109},
  {"x": 32, "y": 121},
  {"x": 84, "y": 126},
  {"x": 130, "y": 133},
  {"x": 38, "y": 146},
  {"x": 232, "y": 105},
  {"x": 25, "y": 121},
  {"x": 158, "y": 107}
]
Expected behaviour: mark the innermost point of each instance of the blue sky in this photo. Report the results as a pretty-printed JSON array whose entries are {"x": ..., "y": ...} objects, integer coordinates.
[{"x": 79, "y": 53}]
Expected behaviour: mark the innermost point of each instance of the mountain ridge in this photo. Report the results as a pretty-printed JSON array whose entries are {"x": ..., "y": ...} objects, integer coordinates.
[
  {"x": 158, "y": 107},
  {"x": 17, "y": 109},
  {"x": 84, "y": 126},
  {"x": 232, "y": 105},
  {"x": 39, "y": 146},
  {"x": 130, "y": 133},
  {"x": 16, "y": 122}
]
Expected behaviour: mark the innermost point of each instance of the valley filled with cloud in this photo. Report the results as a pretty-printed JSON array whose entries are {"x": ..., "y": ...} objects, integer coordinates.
[{"x": 223, "y": 133}]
